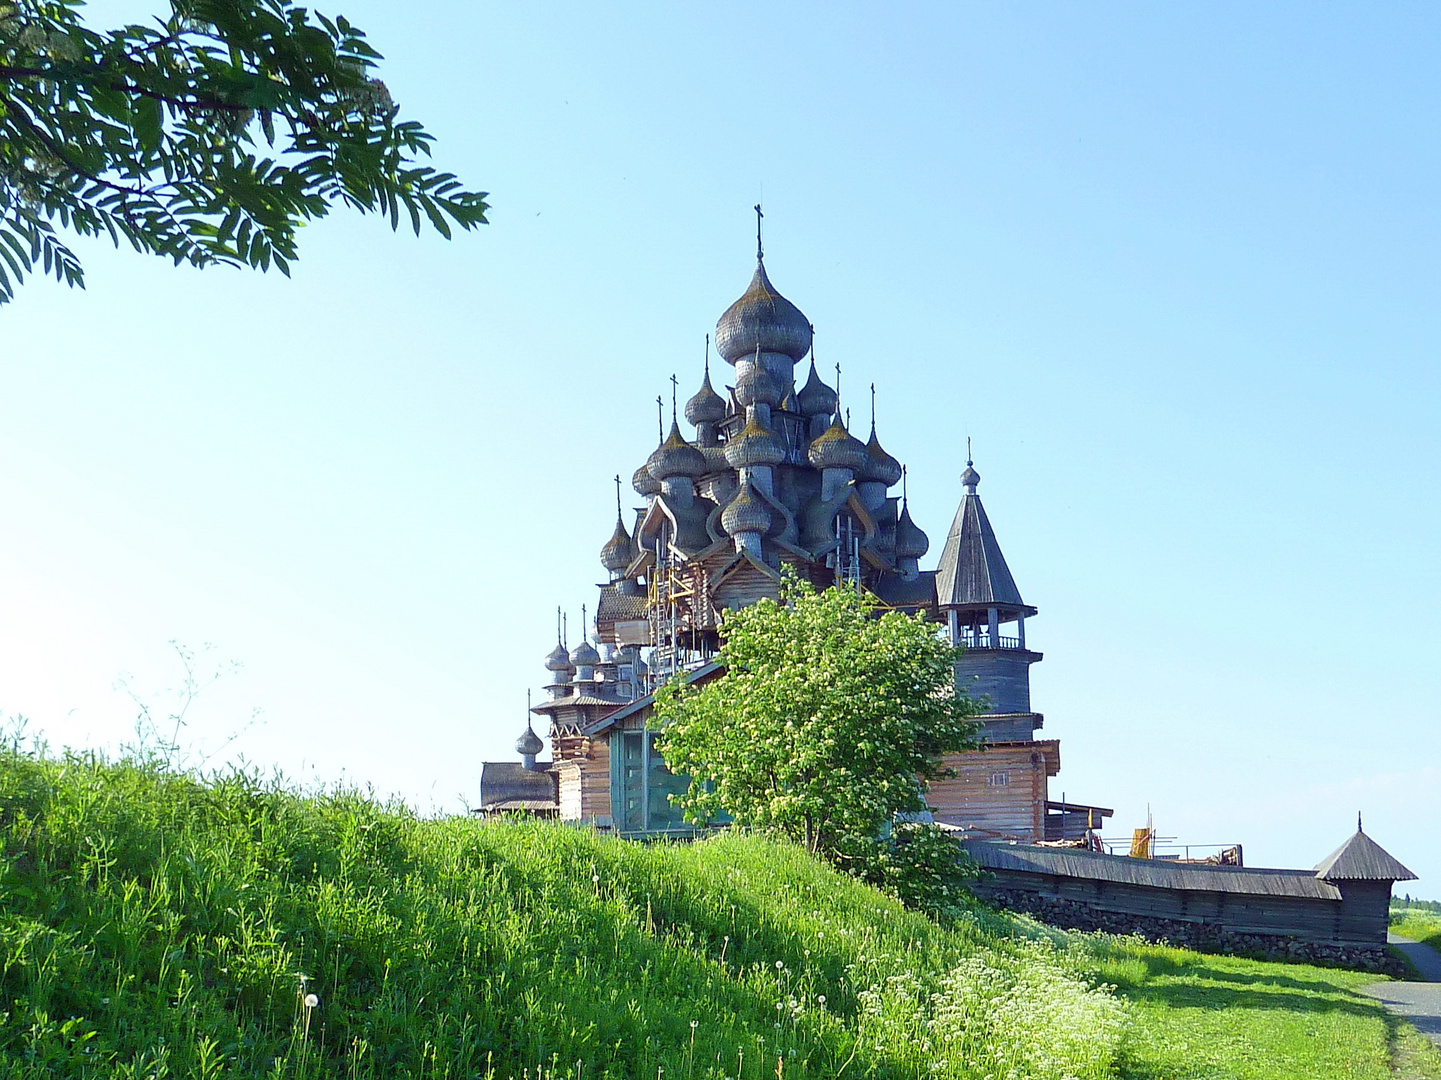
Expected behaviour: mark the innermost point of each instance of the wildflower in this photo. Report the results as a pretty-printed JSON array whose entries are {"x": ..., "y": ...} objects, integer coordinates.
[
  {"x": 594, "y": 879},
  {"x": 694, "y": 1024},
  {"x": 821, "y": 998},
  {"x": 780, "y": 1005},
  {"x": 311, "y": 1001},
  {"x": 780, "y": 964}
]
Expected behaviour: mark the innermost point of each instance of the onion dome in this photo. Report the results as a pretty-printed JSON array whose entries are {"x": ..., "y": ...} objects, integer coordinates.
[
  {"x": 643, "y": 482},
  {"x": 676, "y": 457},
  {"x": 837, "y": 448},
  {"x": 529, "y": 744},
  {"x": 558, "y": 660},
  {"x": 584, "y": 655},
  {"x": 970, "y": 478},
  {"x": 619, "y": 551},
  {"x": 880, "y": 466},
  {"x": 715, "y": 458},
  {"x": 745, "y": 513},
  {"x": 754, "y": 446},
  {"x": 758, "y": 387},
  {"x": 707, "y": 407},
  {"x": 911, "y": 542},
  {"x": 816, "y": 397},
  {"x": 762, "y": 318}
]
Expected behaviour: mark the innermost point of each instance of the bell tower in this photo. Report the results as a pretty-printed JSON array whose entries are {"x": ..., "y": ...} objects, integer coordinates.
[{"x": 984, "y": 613}]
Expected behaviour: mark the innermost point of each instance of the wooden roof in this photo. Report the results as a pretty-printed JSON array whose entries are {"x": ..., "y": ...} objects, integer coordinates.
[
  {"x": 510, "y": 785},
  {"x": 1362, "y": 859},
  {"x": 700, "y": 674},
  {"x": 972, "y": 570},
  {"x": 1154, "y": 873}
]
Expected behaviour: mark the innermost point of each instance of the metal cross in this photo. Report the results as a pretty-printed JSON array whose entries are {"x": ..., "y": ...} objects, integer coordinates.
[
  {"x": 660, "y": 417},
  {"x": 674, "y": 387},
  {"x": 760, "y": 251}
]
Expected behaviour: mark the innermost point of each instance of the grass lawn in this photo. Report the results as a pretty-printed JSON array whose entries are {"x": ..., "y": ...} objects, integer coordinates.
[
  {"x": 155, "y": 926},
  {"x": 1197, "y": 1017},
  {"x": 1418, "y": 926}
]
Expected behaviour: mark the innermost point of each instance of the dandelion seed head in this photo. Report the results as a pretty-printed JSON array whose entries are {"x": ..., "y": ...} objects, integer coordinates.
[
  {"x": 780, "y": 964},
  {"x": 694, "y": 1024},
  {"x": 311, "y": 1001}
]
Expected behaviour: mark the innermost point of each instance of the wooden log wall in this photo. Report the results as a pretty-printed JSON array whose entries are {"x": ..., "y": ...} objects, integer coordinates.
[
  {"x": 584, "y": 783},
  {"x": 996, "y": 793},
  {"x": 1309, "y": 918}
]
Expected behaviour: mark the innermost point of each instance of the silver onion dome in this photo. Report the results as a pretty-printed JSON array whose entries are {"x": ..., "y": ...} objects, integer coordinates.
[
  {"x": 676, "y": 457},
  {"x": 715, "y": 458},
  {"x": 558, "y": 659},
  {"x": 911, "y": 542},
  {"x": 643, "y": 482},
  {"x": 762, "y": 317},
  {"x": 529, "y": 744},
  {"x": 816, "y": 398},
  {"x": 619, "y": 551},
  {"x": 837, "y": 448},
  {"x": 970, "y": 478},
  {"x": 880, "y": 466},
  {"x": 706, "y": 407},
  {"x": 745, "y": 513},
  {"x": 758, "y": 387},
  {"x": 754, "y": 446},
  {"x": 584, "y": 655}
]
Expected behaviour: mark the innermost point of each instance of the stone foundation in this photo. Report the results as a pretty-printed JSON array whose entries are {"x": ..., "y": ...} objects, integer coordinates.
[{"x": 1203, "y": 937}]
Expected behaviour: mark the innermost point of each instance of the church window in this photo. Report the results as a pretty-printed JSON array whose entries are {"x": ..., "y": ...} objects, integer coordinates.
[{"x": 1000, "y": 779}]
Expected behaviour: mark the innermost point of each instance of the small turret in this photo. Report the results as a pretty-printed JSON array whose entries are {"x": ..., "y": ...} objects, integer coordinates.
[
  {"x": 620, "y": 550},
  {"x": 978, "y": 596},
  {"x": 528, "y": 746},
  {"x": 746, "y": 519}
]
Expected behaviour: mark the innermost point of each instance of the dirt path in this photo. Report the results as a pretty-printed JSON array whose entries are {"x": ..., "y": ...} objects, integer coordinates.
[{"x": 1420, "y": 1003}]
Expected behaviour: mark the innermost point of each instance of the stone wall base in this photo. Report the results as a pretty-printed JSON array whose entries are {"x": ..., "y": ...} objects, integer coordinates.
[{"x": 1202, "y": 937}]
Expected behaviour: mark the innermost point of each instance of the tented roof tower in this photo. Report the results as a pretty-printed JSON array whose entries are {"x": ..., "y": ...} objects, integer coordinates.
[{"x": 978, "y": 598}]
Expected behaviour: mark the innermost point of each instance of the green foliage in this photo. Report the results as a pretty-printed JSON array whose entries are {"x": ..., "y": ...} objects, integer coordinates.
[
  {"x": 208, "y": 137},
  {"x": 154, "y": 925},
  {"x": 823, "y": 721},
  {"x": 1419, "y": 926},
  {"x": 821, "y": 730}
]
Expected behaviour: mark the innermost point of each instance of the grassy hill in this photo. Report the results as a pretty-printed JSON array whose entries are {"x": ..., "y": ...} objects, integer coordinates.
[
  {"x": 1419, "y": 920},
  {"x": 153, "y": 925}
]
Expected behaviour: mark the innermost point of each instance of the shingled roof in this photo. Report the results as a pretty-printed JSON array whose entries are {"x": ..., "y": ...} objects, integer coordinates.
[
  {"x": 508, "y": 785},
  {"x": 1362, "y": 859},
  {"x": 972, "y": 571},
  {"x": 1157, "y": 873}
]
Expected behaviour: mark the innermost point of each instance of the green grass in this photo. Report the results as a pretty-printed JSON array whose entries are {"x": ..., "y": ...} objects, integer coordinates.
[
  {"x": 153, "y": 925},
  {"x": 1199, "y": 1017},
  {"x": 1418, "y": 925}
]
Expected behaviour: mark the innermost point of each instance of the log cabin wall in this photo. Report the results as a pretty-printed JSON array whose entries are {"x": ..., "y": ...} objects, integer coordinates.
[
  {"x": 584, "y": 785},
  {"x": 1294, "y": 904},
  {"x": 1000, "y": 792}
]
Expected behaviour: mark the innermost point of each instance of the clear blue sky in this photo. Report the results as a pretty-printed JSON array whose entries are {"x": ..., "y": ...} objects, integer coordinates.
[{"x": 1174, "y": 267}]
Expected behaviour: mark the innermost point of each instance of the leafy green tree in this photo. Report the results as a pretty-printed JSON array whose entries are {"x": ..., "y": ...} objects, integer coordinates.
[
  {"x": 823, "y": 728},
  {"x": 209, "y": 136}
]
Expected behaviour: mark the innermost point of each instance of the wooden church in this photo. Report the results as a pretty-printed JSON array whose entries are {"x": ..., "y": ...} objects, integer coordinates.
[{"x": 772, "y": 477}]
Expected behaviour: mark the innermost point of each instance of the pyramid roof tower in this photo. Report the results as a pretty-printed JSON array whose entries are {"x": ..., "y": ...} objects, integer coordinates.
[
  {"x": 972, "y": 570},
  {"x": 1362, "y": 859}
]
